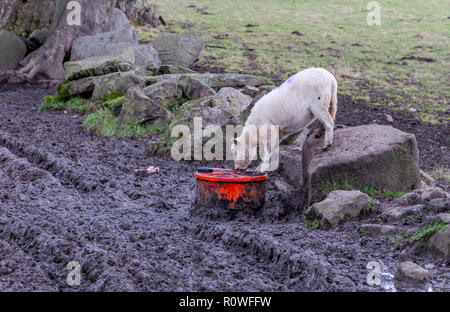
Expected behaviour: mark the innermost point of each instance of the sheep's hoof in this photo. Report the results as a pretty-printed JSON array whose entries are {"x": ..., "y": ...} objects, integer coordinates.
[{"x": 326, "y": 148}]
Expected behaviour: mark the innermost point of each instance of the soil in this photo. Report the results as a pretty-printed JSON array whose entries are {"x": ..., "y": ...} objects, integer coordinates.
[{"x": 68, "y": 195}]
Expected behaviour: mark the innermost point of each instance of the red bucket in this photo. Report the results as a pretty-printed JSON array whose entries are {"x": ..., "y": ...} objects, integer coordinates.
[{"x": 229, "y": 189}]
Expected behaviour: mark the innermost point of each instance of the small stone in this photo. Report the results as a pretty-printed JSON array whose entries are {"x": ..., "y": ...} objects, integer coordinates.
[
  {"x": 410, "y": 198},
  {"x": 412, "y": 110},
  {"x": 339, "y": 205},
  {"x": 250, "y": 91},
  {"x": 282, "y": 186},
  {"x": 379, "y": 229},
  {"x": 398, "y": 213},
  {"x": 433, "y": 193},
  {"x": 389, "y": 118},
  {"x": 411, "y": 273},
  {"x": 439, "y": 205},
  {"x": 444, "y": 217}
]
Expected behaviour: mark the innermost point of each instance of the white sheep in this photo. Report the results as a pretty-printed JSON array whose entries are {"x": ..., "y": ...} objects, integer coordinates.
[{"x": 306, "y": 96}]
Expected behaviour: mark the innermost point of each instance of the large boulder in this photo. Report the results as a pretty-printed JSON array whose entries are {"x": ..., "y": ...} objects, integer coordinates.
[
  {"x": 184, "y": 49},
  {"x": 232, "y": 101},
  {"x": 114, "y": 43},
  {"x": 440, "y": 241},
  {"x": 137, "y": 107},
  {"x": 12, "y": 50},
  {"x": 117, "y": 83},
  {"x": 214, "y": 80},
  {"x": 203, "y": 108},
  {"x": 119, "y": 20},
  {"x": 177, "y": 90},
  {"x": 365, "y": 156},
  {"x": 100, "y": 65},
  {"x": 338, "y": 206},
  {"x": 96, "y": 45}
]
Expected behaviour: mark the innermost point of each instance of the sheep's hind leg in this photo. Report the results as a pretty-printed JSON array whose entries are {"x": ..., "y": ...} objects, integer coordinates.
[{"x": 328, "y": 123}]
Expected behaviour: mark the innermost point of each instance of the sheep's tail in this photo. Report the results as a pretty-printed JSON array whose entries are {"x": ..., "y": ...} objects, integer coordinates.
[{"x": 333, "y": 103}]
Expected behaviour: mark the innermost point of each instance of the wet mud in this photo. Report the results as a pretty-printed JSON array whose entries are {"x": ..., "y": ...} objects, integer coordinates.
[{"x": 68, "y": 195}]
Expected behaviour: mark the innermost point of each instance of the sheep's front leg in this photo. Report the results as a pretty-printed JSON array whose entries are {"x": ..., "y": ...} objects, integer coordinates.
[
  {"x": 268, "y": 152},
  {"x": 327, "y": 121}
]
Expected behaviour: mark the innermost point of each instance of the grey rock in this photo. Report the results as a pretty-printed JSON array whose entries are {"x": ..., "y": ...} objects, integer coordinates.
[
  {"x": 411, "y": 273},
  {"x": 173, "y": 91},
  {"x": 214, "y": 80},
  {"x": 438, "y": 205},
  {"x": 12, "y": 50},
  {"x": 379, "y": 229},
  {"x": 173, "y": 69},
  {"x": 232, "y": 101},
  {"x": 100, "y": 65},
  {"x": 98, "y": 45},
  {"x": 440, "y": 242},
  {"x": 86, "y": 85},
  {"x": 291, "y": 163},
  {"x": 138, "y": 108},
  {"x": 118, "y": 83},
  {"x": 339, "y": 205},
  {"x": 389, "y": 118},
  {"x": 203, "y": 108},
  {"x": 282, "y": 186},
  {"x": 433, "y": 193},
  {"x": 250, "y": 91},
  {"x": 371, "y": 155},
  {"x": 444, "y": 217},
  {"x": 410, "y": 198},
  {"x": 119, "y": 20},
  {"x": 35, "y": 40},
  {"x": 399, "y": 213},
  {"x": 184, "y": 49}
]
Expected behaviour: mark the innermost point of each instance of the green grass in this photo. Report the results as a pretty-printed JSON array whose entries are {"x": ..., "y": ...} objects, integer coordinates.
[
  {"x": 426, "y": 231},
  {"x": 420, "y": 236},
  {"x": 75, "y": 104},
  {"x": 314, "y": 224},
  {"x": 335, "y": 36},
  {"x": 372, "y": 191},
  {"x": 442, "y": 174},
  {"x": 52, "y": 102},
  {"x": 383, "y": 193},
  {"x": 104, "y": 123},
  {"x": 363, "y": 232}
]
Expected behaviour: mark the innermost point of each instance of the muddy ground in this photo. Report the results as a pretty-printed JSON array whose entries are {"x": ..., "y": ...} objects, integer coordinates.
[{"x": 67, "y": 195}]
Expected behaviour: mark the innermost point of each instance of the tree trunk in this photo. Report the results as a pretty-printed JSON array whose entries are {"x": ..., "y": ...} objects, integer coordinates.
[{"x": 51, "y": 15}]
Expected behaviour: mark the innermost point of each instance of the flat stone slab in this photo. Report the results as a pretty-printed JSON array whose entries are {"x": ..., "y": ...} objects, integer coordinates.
[
  {"x": 214, "y": 80},
  {"x": 378, "y": 156},
  {"x": 100, "y": 65}
]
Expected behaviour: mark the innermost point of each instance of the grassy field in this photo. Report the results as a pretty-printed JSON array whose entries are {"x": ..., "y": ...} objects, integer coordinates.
[{"x": 256, "y": 36}]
